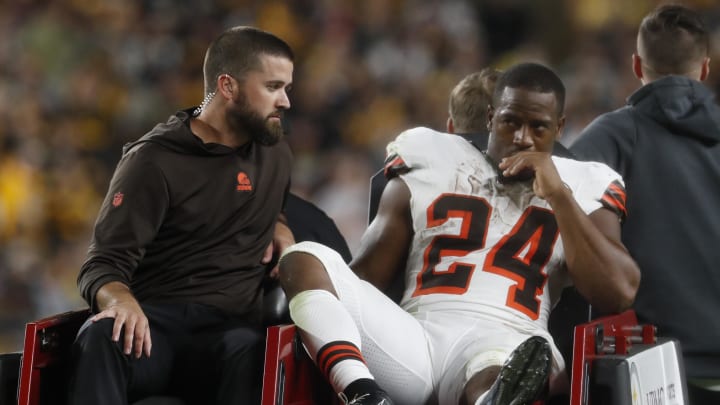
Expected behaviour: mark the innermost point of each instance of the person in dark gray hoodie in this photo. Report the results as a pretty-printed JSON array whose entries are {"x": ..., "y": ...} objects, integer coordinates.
[{"x": 666, "y": 144}]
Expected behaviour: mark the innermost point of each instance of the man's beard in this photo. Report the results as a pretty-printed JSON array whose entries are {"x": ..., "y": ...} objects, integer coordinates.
[{"x": 242, "y": 119}]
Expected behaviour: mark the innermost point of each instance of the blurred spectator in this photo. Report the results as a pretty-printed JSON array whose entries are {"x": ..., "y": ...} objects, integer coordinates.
[{"x": 79, "y": 78}]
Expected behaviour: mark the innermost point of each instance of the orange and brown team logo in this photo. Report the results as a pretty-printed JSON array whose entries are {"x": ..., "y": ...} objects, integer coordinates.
[
  {"x": 243, "y": 182},
  {"x": 117, "y": 199}
]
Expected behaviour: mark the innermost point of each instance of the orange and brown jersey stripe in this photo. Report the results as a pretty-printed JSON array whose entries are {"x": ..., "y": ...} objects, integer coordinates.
[
  {"x": 335, "y": 352},
  {"x": 395, "y": 165},
  {"x": 614, "y": 199}
]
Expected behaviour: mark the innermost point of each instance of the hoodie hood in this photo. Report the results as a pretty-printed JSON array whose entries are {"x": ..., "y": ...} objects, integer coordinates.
[
  {"x": 175, "y": 134},
  {"x": 683, "y": 105}
]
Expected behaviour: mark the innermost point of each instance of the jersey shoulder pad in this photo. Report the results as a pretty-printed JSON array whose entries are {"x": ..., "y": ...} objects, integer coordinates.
[
  {"x": 594, "y": 184},
  {"x": 408, "y": 150}
]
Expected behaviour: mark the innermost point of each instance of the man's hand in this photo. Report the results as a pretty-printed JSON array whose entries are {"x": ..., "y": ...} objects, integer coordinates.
[
  {"x": 282, "y": 238},
  {"x": 599, "y": 265},
  {"x": 547, "y": 183},
  {"x": 116, "y": 301}
]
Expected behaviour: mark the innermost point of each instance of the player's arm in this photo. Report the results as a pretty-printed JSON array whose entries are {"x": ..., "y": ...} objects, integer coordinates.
[
  {"x": 601, "y": 268},
  {"x": 384, "y": 246},
  {"x": 598, "y": 263}
]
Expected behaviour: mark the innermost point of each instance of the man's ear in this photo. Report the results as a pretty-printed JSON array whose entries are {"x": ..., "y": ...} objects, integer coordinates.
[
  {"x": 705, "y": 69},
  {"x": 637, "y": 66},
  {"x": 450, "y": 126},
  {"x": 561, "y": 126},
  {"x": 225, "y": 86}
]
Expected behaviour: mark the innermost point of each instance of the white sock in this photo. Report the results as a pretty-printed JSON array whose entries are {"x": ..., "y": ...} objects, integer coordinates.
[{"x": 327, "y": 327}]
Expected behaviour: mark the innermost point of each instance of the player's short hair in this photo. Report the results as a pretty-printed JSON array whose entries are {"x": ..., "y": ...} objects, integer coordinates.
[
  {"x": 534, "y": 77},
  {"x": 672, "y": 39},
  {"x": 237, "y": 51},
  {"x": 469, "y": 101}
]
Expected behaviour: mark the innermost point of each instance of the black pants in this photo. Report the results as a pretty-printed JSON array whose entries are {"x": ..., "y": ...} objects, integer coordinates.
[
  {"x": 198, "y": 354},
  {"x": 702, "y": 396}
]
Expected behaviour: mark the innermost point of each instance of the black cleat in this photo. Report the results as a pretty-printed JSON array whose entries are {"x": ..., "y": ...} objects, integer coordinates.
[
  {"x": 524, "y": 375},
  {"x": 365, "y": 392}
]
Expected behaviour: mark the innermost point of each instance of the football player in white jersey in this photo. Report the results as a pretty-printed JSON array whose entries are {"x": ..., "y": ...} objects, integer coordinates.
[{"x": 486, "y": 241}]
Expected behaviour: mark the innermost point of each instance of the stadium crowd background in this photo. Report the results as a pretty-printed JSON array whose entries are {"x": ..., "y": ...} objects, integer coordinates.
[{"x": 79, "y": 78}]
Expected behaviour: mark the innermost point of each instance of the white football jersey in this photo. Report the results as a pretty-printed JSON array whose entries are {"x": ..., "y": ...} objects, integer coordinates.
[{"x": 480, "y": 247}]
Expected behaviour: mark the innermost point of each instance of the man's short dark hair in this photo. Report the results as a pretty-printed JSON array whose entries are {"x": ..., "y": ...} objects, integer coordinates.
[
  {"x": 469, "y": 101},
  {"x": 237, "y": 51},
  {"x": 672, "y": 40},
  {"x": 534, "y": 77}
]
